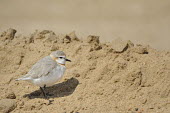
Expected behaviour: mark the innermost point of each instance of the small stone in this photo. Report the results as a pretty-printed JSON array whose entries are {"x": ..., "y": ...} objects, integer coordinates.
[
  {"x": 93, "y": 39},
  {"x": 7, "y": 105},
  {"x": 21, "y": 103},
  {"x": 46, "y": 35},
  {"x": 67, "y": 39},
  {"x": 140, "y": 49},
  {"x": 73, "y": 36},
  {"x": 10, "y": 33},
  {"x": 130, "y": 44},
  {"x": 77, "y": 75},
  {"x": 136, "y": 109},
  {"x": 50, "y": 37},
  {"x": 143, "y": 101},
  {"x": 29, "y": 39},
  {"x": 11, "y": 95},
  {"x": 120, "y": 46},
  {"x": 97, "y": 47},
  {"x": 44, "y": 32}
]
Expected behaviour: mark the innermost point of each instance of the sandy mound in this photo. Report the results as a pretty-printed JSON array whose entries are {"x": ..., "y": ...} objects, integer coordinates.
[{"x": 115, "y": 77}]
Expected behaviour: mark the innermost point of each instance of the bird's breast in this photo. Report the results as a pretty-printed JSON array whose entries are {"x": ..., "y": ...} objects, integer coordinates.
[{"x": 57, "y": 72}]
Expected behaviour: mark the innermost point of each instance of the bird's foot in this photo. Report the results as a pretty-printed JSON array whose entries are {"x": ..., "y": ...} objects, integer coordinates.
[{"x": 49, "y": 94}]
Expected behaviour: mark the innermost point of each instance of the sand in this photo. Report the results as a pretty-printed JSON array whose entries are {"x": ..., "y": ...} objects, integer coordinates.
[{"x": 112, "y": 77}]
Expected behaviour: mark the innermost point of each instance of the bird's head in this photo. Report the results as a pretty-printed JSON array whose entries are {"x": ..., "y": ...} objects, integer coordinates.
[{"x": 59, "y": 57}]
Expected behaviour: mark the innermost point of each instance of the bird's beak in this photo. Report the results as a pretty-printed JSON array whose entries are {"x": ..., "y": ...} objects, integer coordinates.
[{"x": 68, "y": 60}]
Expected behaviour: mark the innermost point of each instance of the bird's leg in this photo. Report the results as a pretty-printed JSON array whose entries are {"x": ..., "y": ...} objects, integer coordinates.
[
  {"x": 45, "y": 96},
  {"x": 48, "y": 94},
  {"x": 43, "y": 92},
  {"x": 44, "y": 87}
]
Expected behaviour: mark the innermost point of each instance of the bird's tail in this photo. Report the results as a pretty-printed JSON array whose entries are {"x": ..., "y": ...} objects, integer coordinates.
[
  {"x": 25, "y": 77},
  {"x": 22, "y": 79},
  {"x": 18, "y": 79}
]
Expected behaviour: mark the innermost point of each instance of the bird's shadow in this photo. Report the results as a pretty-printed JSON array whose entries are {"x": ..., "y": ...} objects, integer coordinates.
[{"x": 65, "y": 88}]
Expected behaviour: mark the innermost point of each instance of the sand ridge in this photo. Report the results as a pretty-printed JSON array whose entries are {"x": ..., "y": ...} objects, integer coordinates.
[{"x": 113, "y": 77}]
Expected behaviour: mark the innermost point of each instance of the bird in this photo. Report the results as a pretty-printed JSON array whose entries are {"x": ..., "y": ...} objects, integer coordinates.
[{"x": 47, "y": 71}]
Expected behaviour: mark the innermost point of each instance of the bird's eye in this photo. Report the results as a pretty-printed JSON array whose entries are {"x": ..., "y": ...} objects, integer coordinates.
[{"x": 61, "y": 57}]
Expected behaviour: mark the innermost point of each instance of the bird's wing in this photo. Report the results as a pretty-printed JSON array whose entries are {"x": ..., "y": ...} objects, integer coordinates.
[{"x": 41, "y": 68}]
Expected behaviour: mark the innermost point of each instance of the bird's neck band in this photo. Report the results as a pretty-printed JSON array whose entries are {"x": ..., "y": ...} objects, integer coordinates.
[
  {"x": 61, "y": 64},
  {"x": 54, "y": 58}
]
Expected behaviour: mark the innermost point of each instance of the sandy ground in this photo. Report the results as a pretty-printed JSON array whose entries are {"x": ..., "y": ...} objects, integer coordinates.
[{"x": 115, "y": 77}]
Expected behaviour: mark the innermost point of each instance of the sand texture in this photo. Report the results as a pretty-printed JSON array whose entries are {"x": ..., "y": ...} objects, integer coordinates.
[{"x": 113, "y": 77}]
